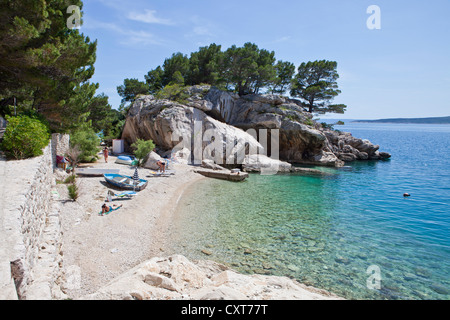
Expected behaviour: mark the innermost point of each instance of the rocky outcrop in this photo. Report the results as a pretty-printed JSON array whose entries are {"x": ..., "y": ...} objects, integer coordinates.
[
  {"x": 348, "y": 148},
  {"x": 176, "y": 127},
  {"x": 298, "y": 141},
  {"x": 176, "y": 277},
  {"x": 248, "y": 122}
]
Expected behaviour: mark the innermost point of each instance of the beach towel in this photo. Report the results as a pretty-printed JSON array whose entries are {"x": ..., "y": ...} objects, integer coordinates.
[{"x": 110, "y": 210}]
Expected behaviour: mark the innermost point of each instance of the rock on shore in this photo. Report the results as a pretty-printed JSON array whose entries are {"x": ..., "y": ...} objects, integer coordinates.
[
  {"x": 301, "y": 140},
  {"x": 176, "y": 277}
]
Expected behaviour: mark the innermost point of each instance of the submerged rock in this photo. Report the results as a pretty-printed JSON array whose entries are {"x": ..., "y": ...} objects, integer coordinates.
[
  {"x": 438, "y": 288},
  {"x": 207, "y": 252}
]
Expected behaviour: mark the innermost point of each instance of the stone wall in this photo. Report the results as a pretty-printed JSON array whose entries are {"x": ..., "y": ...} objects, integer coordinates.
[
  {"x": 30, "y": 227},
  {"x": 60, "y": 145}
]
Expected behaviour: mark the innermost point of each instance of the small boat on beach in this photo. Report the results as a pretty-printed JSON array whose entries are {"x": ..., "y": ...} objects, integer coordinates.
[
  {"x": 95, "y": 171},
  {"x": 235, "y": 176},
  {"x": 161, "y": 174},
  {"x": 125, "y": 182},
  {"x": 125, "y": 160}
]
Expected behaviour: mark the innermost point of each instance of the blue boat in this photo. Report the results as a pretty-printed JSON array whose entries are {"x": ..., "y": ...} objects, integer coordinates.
[
  {"x": 125, "y": 160},
  {"x": 125, "y": 182}
]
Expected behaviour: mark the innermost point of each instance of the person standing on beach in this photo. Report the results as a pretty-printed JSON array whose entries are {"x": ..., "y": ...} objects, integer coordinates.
[{"x": 105, "y": 154}]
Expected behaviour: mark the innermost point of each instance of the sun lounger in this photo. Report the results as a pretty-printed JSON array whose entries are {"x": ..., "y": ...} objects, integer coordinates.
[
  {"x": 160, "y": 173},
  {"x": 127, "y": 194}
]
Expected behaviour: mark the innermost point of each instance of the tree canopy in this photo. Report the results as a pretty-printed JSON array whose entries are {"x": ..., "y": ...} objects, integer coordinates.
[
  {"x": 244, "y": 70},
  {"x": 316, "y": 84},
  {"x": 44, "y": 65},
  {"x": 132, "y": 88}
]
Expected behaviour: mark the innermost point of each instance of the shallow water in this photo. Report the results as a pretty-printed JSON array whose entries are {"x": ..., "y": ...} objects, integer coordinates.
[{"x": 326, "y": 231}]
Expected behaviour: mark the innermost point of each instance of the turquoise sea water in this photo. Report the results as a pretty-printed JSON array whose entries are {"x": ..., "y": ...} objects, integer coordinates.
[{"x": 326, "y": 231}]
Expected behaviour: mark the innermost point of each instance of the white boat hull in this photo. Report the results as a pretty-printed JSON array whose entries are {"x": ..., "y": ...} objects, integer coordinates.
[{"x": 95, "y": 171}]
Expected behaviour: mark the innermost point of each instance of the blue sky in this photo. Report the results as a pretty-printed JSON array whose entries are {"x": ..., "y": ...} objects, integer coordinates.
[{"x": 400, "y": 70}]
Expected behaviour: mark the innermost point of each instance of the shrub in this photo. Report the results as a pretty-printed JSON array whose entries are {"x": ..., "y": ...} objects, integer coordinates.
[
  {"x": 70, "y": 179},
  {"x": 73, "y": 191},
  {"x": 175, "y": 92},
  {"x": 87, "y": 141},
  {"x": 25, "y": 137},
  {"x": 327, "y": 126},
  {"x": 142, "y": 149}
]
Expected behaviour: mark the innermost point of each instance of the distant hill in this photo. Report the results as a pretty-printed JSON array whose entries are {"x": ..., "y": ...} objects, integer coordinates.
[{"x": 435, "y": 120}]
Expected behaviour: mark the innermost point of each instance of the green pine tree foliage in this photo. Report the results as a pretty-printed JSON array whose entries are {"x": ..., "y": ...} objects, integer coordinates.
[
  {"x": 316, "y": 85},
  {"x": 131, "y": 88},
  {"x": 243, "y": 70},
  {"x": 42, "y": 61}
]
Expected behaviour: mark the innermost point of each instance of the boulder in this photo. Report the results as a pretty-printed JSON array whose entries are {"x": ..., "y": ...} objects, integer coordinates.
[
  {"x": 176, "y": 277},
  {"x": 265, "y": 165},
  {"x": 152, "y": 159},
  {"x": 209, "y": 164},
  {"x": 178, "y": 127}
]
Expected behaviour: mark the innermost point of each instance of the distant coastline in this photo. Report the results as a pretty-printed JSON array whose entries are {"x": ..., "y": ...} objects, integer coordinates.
[{"x": 432, "y": 120}]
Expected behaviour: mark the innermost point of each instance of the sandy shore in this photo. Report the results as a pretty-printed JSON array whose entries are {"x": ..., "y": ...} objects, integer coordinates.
[{"x": 103, "y": 247}]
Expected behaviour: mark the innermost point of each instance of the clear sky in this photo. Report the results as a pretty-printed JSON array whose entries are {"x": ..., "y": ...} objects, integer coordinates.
[{"x": 400, "y": 70}]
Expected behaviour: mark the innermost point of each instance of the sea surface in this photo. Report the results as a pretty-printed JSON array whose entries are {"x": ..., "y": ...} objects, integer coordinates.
[{"x": 350, "y": 232}]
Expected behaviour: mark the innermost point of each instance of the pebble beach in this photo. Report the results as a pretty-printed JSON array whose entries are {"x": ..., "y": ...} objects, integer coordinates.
[{"x": 101, "y": 248}]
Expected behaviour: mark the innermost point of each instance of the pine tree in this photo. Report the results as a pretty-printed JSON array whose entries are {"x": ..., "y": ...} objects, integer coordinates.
[
  {"x": 42, "y": 61},
  {"x": 316, "y": 85}
]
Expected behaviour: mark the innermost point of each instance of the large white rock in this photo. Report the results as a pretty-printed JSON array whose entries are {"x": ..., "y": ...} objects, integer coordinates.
[
  {"x": 264, "y": 165},
  {"x": 178, "y": 128},
  {"x": 152, "y": 159},
  {"x": 176, "y": 277}
]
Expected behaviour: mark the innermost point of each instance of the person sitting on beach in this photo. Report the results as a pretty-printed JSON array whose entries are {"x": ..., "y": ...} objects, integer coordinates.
[
  {"x": 162, "y": 165},
  {"x": 106, "y": 209}
]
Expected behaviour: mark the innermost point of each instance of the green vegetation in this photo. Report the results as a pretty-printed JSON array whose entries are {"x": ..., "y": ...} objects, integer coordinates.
[
  {"x": 73, "y": 191},
  {"x": 327, "y": 126},
  {"x": 141, "y": 149},
  {"x": 175, "y": 92},
  {"x": 244, "y": 70},
  {"x": 24, "y": 137},
  {"x": 45, "y": 69},
  {"x": 315, "y": 84},
  {"x": 131, "y": 88},
  {"x": 86, "y": 141},
  {"x": 70, "y": 179}
]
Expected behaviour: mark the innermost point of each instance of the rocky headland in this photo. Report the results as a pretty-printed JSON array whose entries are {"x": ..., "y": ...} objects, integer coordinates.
[{"x": 247, "y": 123}]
